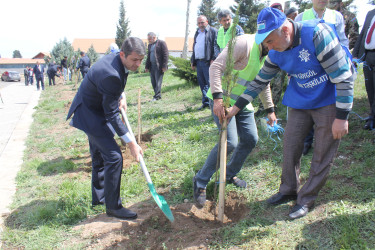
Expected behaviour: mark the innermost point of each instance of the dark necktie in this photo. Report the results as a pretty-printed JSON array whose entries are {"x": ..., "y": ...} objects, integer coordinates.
[{"x": 369, "y": 35}]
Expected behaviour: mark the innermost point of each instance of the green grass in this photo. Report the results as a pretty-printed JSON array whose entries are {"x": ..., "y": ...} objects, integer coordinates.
[{"x": 54, "y": 193}]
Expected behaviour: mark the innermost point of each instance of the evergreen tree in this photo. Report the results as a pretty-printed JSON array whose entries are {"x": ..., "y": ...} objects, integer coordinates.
[
  {"x": 207, "y": 8},
  {"x": 248, "y": 13},
  {"x": 123, "y": 30},
  {"x": 303, "y": 5},
  {"x": 61, "y": 49},
  {"x": 17, "y": 54},
  {"x": 91, "y": 53}
]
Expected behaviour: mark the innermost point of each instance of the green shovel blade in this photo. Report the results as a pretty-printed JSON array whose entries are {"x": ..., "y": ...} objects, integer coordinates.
[{"x": 159, "y": 199}]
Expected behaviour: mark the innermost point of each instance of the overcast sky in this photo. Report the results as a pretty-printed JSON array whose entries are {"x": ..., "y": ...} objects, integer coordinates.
[{"x": 36, "y": 26}]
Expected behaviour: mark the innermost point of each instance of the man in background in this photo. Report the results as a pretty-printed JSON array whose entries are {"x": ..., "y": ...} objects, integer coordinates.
[
  {"x": 364, "y": 51},
  {"x": 224, "y": 34},
  {"x": 156, "y": 63},
  {"x": 291, "y": 13},
  {"x": 64, "y": 67},
  {"x": 203, "y": 55},
  {"x": 39, "y": 75},
  {"x": 84, "y": 64},
  {"x": 320, "y": 11},
  {"x": 26, "y": 75},
  {"x": 351, "y": 22}
]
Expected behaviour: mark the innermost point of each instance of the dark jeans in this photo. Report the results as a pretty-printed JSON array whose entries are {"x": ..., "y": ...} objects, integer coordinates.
[
  {"x": 106, "y": 171},
  {"x": 369, "y": 72},
  {"x": 203, "y": 79},
  {"x": 31, "y": 80},
  {"x": 156, "y": 80}
]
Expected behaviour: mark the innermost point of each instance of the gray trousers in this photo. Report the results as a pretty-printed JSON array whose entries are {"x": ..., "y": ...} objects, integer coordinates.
[
  {"x": 300, "y": 122},
  {"x": 156, "y": 80}
]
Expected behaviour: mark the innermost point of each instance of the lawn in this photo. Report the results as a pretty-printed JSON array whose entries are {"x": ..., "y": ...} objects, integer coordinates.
[{"x": 52, "y": 205}]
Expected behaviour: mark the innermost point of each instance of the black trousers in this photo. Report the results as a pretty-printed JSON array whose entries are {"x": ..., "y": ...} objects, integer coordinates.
[
  {"x": 156, "y": 80},
  {"x": 41, "y": 80},
  {"x": 106, "y": 171},
  {"x": 369, "y": 72},
  {"x": 51, "y": 79},
  {"x": 26, "y": 80}
]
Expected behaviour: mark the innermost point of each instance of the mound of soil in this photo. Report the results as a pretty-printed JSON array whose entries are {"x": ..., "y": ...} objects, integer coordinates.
[{"x": 192, "y": 228}]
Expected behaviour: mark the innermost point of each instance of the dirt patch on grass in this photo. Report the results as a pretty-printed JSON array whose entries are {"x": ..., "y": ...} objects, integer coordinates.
[{"x": 192, "y": 229}]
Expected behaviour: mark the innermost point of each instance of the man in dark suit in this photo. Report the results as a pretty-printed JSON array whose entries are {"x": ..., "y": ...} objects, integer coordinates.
[
  {"x": 156, "y": 63},
  {"x": 364, "y": 51},
  {"x": 84, "y": 64},
  {"x": 39, "y": 75},
  {"x": 96, "y": 112},
  {"x": 203, "y": 55}
]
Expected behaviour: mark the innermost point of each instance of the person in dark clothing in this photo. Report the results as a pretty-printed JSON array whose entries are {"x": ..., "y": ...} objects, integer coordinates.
[
  {"x": 64, "y": 67},
  {"x": 26, "y": 75},
  {"x": 39, "y": 75},
  {"x": 96, "y": 112},
  {"x": 84, "y": 64},
  {"x": 364, "y": 51},
  {"x": 52, "y": 71},
  {"x": 31, "y": 75},
  {"x": 203, "y": 55},
  {"x": 156, "y": 63}
]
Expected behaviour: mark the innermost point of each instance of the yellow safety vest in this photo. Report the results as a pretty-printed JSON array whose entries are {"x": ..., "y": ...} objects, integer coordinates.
[
  {"x": 223, "y": 39},
  {"x": 246, "y": 75},
  {"x": 329, "y": 15}
]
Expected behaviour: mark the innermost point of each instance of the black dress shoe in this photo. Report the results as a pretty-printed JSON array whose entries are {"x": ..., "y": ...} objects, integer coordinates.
[
  {"x": 280, "y": 198},
  {"x": 298, "y": 211},
  {"x": 122, "y": 213},
  {"x": 369, "y": 124}
]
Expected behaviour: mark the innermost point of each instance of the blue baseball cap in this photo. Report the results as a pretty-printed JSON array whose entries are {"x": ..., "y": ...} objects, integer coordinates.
[{"x": 268, "y": 20}]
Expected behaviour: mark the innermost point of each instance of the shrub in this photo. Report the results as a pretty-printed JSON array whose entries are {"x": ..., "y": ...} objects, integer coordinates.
[{"x": 183, "y": 70}]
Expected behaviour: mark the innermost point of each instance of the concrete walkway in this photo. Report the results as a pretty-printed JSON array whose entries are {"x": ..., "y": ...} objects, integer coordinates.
[{"x": 15, "y": 119}]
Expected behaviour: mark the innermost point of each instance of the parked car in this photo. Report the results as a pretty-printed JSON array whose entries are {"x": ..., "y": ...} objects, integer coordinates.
[{"x": 11, "y": 76}]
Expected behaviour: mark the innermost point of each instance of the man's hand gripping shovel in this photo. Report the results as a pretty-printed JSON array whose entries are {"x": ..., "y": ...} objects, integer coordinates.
[{"x": 159, "y": 199}]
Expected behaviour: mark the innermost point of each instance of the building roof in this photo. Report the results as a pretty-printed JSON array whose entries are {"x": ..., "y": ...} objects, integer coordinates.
[
  {"x": 20, "y": 61},
  {"x": 41, "y": 55},
  {"x": 100, "y": 45},
  {"x": 177, "y": 43}
]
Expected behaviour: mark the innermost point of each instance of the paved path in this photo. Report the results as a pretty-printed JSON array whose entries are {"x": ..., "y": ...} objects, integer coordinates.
[{"x": 16, "y": 108}]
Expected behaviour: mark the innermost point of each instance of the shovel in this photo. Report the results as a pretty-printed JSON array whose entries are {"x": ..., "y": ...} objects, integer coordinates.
[{"x": 159, "y": 199}]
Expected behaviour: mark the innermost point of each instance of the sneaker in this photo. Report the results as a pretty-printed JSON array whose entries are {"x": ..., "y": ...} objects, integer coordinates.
[
  {"x": 199, "y": 194},
  {"x": 237, "y": 182}
]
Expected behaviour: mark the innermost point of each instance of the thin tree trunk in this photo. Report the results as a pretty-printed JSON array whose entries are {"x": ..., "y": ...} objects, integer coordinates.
[
  {"x": 223, "y": 169},
  {"x": 186, "y": 43}
]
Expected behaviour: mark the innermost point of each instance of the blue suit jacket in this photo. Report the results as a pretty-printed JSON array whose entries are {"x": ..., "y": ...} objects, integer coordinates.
[
  {"x": 95, "y": 105},
  {"x": 38, "y": 73}
]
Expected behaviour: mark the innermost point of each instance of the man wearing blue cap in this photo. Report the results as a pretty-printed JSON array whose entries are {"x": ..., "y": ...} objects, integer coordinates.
[{"x": 320, "y": 92}]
